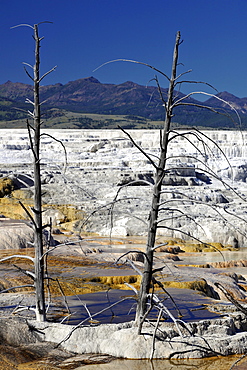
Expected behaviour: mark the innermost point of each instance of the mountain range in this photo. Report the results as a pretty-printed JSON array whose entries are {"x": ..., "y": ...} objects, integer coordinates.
[{"x": 139, "y": 103}]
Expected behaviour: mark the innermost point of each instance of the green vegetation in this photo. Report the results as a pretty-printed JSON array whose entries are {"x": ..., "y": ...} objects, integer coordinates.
[{"x": 62, "y": 119}]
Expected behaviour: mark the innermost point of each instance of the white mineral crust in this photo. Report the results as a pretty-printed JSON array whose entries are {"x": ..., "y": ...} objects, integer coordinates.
[{"x": 99, "y": 164}]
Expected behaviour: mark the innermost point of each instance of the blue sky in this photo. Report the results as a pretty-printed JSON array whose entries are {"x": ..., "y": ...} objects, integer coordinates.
[{"x": 87, "y": 33}]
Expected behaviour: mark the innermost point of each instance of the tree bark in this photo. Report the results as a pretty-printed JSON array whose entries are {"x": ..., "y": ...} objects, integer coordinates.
[
  {"x": 39, "y": 260},
  {"x": 153, "y": 216}
]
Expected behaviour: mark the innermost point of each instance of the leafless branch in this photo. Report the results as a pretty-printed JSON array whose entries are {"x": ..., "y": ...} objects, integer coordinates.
[
  {"x": 160, "y": 93},
  {"x": 28, "y": 64},
  {"x": 217, "y": 209},
  {"x": 131, "y": 287},
  {"x": 25, "y": 272},
  {"x": 133, "y": 61},
  {"x": 195, "y": 82},
  {"x": 135, "y": 268},
  {"x": 28, "y": 213},
  {"x": 30, "y": 114},
  {"x": 138, "y": 147},
  {"x": 71, "y": 242},
  {"x": 186, "y": 136},
  {"x": 108, "y": 205},
  {"x": 17, "y": 287},
  {"x": 92, "y": 316},
  {"x": 179, "y": 102},
  {"x": 230, "y": 297},
  {"x": 47, "y": 73},
  {"x": 28, "y": 73},
  {"x": 154, "y": 334},
  {"x": 29, "y": 101},
  {"x": 22, "y": 25},
  {"x": 159, "y": 246},
  {"x": 60, "y": 142},
  {"x": 63, "y": 295},
  {"x": 23, "y": 308},
  {"x": 17, "y": 256},
  {"x": 237, "y": 361},
  {"x": 182, "y": 74},
  {"x": 29, "y": 127},
  {"x": 125, "y": 254},
  {"x": 155, "y": 281},
  {"x": 192, "y": 237},
  {"x": 187, "y": 216},
  {"x": 197, "y": 134},
  {"x": 164, "y": 309}
]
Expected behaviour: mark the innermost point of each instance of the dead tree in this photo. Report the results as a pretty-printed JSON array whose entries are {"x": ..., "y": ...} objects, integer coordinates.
[
  {"x": 34, "y": 136},
  {"x": 153, "y": 216},
  {"x": 36, "y": 216},
  {"x": 37, "y": 210},
  {"x": 172, "y": 101}
]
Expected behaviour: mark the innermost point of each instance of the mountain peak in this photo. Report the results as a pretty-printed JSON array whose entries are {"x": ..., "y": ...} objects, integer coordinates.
[
  {"x": 89, "y": 95},
  {"x": 128, "y": 84},
  {"x": 226, "y": 95},
  {"x": 91, "y": 79}
]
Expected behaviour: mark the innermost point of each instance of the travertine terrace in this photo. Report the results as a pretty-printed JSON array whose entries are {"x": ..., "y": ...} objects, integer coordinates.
[{"x": 100, "y": 163}]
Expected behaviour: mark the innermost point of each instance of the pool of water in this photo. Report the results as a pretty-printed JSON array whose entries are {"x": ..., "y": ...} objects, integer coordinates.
[
  {"x": 190, "y": 258},
  {"x": 207, "y": 257},
  {"x": 190, "y": 304},
  {"x": 216, "y": 363},
  {"x": 202, "y": 258}
]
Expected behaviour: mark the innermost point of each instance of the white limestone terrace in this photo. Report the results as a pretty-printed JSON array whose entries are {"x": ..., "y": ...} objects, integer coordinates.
[
  {"x": 99, "y": 162},
  {"x": 89, "y": 146},
  {"x": 112, "y": 149}
]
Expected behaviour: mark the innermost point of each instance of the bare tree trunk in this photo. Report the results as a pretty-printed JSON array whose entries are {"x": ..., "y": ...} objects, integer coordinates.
[
  {"x": 153, "y": 216},
  {"x": 39, "y": 260}
]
